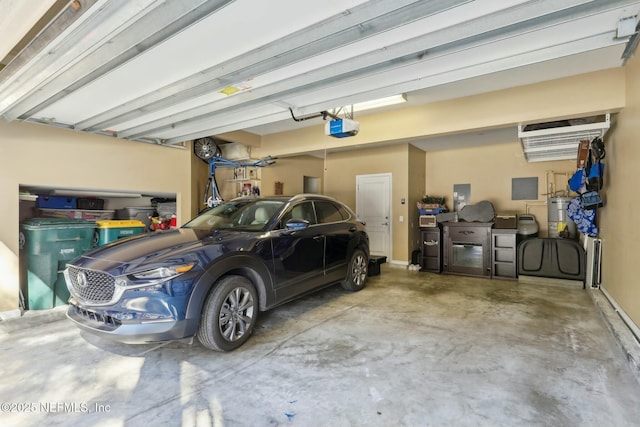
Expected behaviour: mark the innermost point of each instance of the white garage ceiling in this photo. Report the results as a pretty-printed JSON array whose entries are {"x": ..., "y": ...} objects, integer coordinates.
[{"x": 171, "y": 71}]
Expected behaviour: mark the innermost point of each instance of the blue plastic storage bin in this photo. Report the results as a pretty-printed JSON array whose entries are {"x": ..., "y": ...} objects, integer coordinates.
[{"x": 56, "y": 202}]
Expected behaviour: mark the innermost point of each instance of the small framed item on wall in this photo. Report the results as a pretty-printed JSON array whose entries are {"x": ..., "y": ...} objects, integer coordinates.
[
  {"x": 278, "y": 189},
  {"x": 239, "y": 172}
]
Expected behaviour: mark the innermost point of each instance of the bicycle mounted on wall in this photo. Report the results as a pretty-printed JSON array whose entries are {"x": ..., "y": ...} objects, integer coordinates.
[{"x": 208, "y": 150}]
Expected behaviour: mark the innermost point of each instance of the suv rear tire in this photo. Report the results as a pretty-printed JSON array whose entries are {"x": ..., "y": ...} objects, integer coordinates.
[{"x": 357, "y": 270}]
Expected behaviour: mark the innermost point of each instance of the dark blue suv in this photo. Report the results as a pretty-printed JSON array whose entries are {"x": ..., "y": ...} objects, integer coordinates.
[{"x": 211, "y": 277}]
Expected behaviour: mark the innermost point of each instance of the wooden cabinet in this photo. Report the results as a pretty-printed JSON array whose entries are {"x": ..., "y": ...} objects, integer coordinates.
[
  {"x": 503, "y": 253},
  {"x": 431, "y": 249},
  {"x": 467, "y": 248}
]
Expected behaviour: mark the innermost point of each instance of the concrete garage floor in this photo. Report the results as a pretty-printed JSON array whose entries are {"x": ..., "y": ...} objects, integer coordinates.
[{"x": 412, "y": 349}]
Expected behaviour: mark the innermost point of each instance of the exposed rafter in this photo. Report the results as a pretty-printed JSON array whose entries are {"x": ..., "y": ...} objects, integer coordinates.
[{"x": 168, "y": 72}]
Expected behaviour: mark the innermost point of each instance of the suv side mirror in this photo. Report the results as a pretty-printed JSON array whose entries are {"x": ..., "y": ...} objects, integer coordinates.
[{"x": 296, "y": 224}]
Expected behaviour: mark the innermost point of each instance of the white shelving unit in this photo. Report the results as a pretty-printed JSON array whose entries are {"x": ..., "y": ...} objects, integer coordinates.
[{"x": 246, "y": 179}]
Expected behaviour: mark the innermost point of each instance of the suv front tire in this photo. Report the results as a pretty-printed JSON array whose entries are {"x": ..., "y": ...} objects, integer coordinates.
[{"x": 229, "y": 314}]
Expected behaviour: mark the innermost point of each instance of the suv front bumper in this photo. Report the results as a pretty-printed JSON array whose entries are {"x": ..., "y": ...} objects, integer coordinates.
[{"x": 126, "y": 326}]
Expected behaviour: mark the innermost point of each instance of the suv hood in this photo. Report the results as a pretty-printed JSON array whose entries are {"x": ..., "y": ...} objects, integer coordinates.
[{"x": 160, "y": 248}]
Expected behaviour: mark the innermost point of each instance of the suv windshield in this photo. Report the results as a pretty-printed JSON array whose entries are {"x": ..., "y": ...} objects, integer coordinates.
[{"x": 242, "y": 215}]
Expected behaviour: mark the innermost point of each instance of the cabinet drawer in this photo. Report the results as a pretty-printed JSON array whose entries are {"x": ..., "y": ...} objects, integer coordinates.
[
  {"x": 431, "y": 264},
  {"x": 504, "y": 240},
  {"x": 504, "y": 270},
  {"x": 467, "y": 234},
  {"x": 430, "y": 247},
  {"x": 504, "y": 255}
]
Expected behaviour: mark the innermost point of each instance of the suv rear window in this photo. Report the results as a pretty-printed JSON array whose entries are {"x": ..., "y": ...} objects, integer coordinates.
[{"x": 328, "y": 212}]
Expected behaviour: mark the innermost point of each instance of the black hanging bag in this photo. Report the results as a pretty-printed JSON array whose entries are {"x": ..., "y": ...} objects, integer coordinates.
[{"x": 595, "y": 167}]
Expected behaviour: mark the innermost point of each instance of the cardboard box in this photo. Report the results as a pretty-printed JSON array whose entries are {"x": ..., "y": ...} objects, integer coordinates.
[{"x": 583, "y": 153}]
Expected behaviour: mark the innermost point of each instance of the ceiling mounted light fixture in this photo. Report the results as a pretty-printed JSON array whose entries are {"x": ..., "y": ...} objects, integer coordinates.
[
  {"x": 92, "y": 193},
  {"x": 381, "y": 102}
]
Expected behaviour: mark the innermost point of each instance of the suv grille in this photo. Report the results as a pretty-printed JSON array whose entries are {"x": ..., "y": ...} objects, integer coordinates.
[{"x": 98, "y": 287}]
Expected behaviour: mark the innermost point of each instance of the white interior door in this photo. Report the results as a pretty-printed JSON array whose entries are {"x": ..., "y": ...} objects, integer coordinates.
[{"x": 373, "y": 206}]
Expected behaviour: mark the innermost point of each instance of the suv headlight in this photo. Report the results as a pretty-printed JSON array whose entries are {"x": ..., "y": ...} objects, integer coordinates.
[
  {"x": 163, "y": 272},
  {"x": 152, "y": 279}
]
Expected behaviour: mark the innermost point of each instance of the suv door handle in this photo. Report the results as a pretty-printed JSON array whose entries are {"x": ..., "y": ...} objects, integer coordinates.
[{"x": 318, "y": 237}]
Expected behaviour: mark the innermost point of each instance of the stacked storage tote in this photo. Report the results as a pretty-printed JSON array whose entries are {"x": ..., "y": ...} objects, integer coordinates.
[{"x": 111, "y": 230}]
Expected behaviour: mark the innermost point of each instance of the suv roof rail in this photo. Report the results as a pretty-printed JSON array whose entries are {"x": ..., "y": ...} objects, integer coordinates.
[{"x": 311, "y": 195}]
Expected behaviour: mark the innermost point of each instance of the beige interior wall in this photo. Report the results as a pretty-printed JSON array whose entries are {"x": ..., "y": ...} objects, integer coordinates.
[
  {"x": 489, "y": 170},
  {"x": 224, "y": 176},
  {"x": 199, "y": 177},
  {"x": 569, "y": 97},
  {"x": 35, "y": 155},
  {"x": 242, "y": 137},
  {"x": 618, "y": 219},
  {"x": 562, "y": 98},
  {"x": 291, "y": 172},
  {"x": 340, "y": 182},
  {"x": 417, "y": 179}
]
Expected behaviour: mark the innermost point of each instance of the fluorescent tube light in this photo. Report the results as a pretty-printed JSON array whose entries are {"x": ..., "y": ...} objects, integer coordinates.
[
  {"x": 381, "y": 102},
  {"x": 90, "y": 193}
]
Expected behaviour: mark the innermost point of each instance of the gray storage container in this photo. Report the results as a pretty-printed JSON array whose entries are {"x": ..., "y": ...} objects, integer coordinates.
[
  {"x": 527, "y": 227},
  {"x": 166, "y": 209},
  {"x": 560, "y": 225},
  {"x": 141, "y": 213}
]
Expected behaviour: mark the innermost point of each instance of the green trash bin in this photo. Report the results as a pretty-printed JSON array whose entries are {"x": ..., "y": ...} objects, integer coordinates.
[{"x": 47, "y": 245}]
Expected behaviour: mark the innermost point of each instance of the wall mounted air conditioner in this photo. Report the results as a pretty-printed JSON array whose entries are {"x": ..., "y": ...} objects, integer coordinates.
[{"x": 559, "y": 140}]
